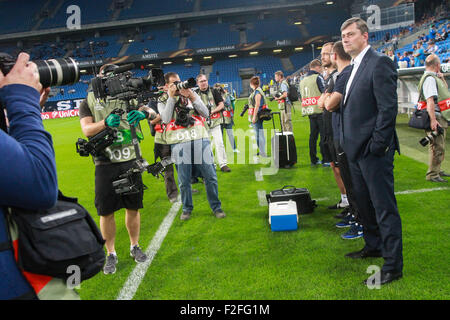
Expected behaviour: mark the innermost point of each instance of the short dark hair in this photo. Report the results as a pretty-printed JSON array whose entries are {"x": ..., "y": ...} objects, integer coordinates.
[
  {"x": 338, "y": 48},
  {"x": 361, "y": 25},
  {"x": 169, "y": 75},
  {"x": 280, "y": 73},
  {"x": 315, "y": 63}
]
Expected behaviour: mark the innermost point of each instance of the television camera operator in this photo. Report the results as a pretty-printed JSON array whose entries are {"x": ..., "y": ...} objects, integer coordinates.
[
  {"x": 27, "y": 176},
  {"x": 96, "y": 115},
  {"x": 183, "y": 115}
]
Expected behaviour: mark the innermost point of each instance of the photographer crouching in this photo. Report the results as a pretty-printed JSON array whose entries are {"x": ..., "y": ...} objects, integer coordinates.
[
  {"x": 183, "y": 116},
  {"x": 97, "y": 115},
  {"x": 27, "y": 175}
]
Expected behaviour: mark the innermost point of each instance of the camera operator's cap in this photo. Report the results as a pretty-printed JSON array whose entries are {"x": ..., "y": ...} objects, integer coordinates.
[{"x": 107, "y": 69}]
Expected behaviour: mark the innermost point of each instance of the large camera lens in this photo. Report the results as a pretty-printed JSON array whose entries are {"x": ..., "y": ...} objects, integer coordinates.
[
  {"x": 189, "y": 83},
  {"x": 58, "y": 72}
]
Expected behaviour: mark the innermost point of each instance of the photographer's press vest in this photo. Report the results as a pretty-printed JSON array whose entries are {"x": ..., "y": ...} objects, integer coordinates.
[
  {"x": 228, "y": 111},
  {"x": 310, "y": 95},
  {"x": 282, "y": 103},
  {"x": 251, "y": 102},
  {"x": 443, "y": 100},
  {"x": 217, "y": 118},
  {"x": 122, "y": 149},
  {"x": 172, "y": 134}
]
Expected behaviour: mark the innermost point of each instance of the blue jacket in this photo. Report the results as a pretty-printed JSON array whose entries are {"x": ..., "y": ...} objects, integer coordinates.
[{"x": 27, "y": 173}]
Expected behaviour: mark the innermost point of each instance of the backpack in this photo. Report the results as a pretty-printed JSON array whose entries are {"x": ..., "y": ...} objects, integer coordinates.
[
  {"x": 292, "y": 93},
  {"x": 52, "y": 240}
]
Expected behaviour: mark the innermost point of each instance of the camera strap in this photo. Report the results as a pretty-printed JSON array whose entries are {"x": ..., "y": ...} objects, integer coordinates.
[{"x": 3, "y": 119}]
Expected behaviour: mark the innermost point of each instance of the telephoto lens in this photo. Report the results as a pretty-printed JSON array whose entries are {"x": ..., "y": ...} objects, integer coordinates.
[
  {"x": 189, "y": 83},
  {"x": 52, "y": 72}
]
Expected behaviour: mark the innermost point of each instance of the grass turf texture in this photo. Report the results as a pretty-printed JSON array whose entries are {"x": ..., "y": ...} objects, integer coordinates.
[{"x": 240, "y": 258}]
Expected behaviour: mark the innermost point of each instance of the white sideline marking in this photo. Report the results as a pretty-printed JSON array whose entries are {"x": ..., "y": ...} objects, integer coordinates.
[
  {"x": 421, "y": 190},
  {"x": 259, "y": 175},
  {"x": 135, "y": 278},
  {"x": 262, "y": 198}
]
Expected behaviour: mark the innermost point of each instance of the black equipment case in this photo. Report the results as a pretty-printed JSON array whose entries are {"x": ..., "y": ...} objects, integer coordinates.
[
  {"x": 301, "y": 196},
  {"x": 284, "y": 151}
]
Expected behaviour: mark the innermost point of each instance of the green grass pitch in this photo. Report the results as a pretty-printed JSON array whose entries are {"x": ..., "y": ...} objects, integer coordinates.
[{"x": 239, "y": 257}]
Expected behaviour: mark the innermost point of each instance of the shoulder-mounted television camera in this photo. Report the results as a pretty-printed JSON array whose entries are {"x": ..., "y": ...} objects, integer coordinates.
[{"x": 120, "y": 84}]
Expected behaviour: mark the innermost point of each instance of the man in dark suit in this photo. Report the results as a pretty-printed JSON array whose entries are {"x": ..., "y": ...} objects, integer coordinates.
[{"x": 369, "y": 140}]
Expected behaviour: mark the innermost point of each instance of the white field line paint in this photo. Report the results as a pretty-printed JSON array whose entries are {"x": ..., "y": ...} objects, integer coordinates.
[
  {"x": 259, "y": 175},
  {"x": 422, "y": 190},
  {"x": 135, "y": 278},
  {"x": 262, "y": 198}
]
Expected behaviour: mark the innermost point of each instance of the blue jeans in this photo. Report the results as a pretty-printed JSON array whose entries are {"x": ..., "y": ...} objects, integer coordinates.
[
  {"x": 229, "y": 129},
  {"x": 260, "y": 139},
  {"x": 196, "y": 154}
]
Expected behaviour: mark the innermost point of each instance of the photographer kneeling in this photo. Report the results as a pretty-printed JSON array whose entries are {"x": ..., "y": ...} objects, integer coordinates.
[
  {"x": 27, "y": 177},
  {"x": 183, "y": 115},
  {"x": 96, "y": 116}
]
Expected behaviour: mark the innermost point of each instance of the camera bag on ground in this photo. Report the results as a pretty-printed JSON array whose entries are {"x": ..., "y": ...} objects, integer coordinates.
[
  {"x": 52, "y": 240},
  {"x": 284, "y": 150},
  {"x": 420, "y": 120},
  {"x": 301, "y": 196},
  {"x": 265, "y": 114}
]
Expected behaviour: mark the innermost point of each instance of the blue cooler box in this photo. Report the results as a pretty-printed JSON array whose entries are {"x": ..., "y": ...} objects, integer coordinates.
[{"x": 283, "y": 216}]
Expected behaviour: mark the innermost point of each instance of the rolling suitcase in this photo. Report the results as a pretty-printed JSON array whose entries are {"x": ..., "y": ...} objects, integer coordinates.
[
  {"x": 301, "y": 196},
  {"x": 284, "y": 151}
]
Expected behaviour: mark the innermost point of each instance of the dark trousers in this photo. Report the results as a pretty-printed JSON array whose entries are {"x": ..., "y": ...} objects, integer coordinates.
[
  {"x": 373, "y": 187},
  {"x": 344, "y": 170},
  {"x": 316, "y": 129},
  {"x": 163, "y": 151}
]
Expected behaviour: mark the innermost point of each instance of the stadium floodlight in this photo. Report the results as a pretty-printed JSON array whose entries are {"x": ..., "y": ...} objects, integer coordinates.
[
  {"x": 329, "y": 3},
  {"x": 207, "y": 57},
  {"x": 277, "y": 50},
  {"x": 298, "y": 49},
  {"x": 252, "y": 53},
  {"x": 298, "y": 22},
  {"x": 188, "y": 59},
  {"x": 167, "y": 62},
  {"x": 232, "y": 56},
  {"x": 131, "y": 40}
]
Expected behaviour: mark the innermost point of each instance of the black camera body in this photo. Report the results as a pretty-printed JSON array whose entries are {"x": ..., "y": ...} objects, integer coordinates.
[
  {"x": 121, "y": 85},
  {"x": 184, "y": 119},
  {"x": 52, "y": 72},
  {"x": 276, "y": 95},
  {"x": 96, "y": 144},
  {"x": 429, "y": 138},
  {"x": 128, "y": 183}
]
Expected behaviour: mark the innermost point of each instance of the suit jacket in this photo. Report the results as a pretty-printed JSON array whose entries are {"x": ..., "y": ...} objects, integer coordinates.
[{"x": 370, "y": 110}]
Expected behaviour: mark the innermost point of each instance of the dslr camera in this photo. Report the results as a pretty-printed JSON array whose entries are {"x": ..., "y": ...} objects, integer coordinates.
[
  {"x": 188, "y": 84},
  {"x": 52, "y": 72},
  {"x": 429, "y": 138},
  {"x": 183, "y": 117},
  {"x": 276, "y": 95},
  {"x": 98, "y": 143}
]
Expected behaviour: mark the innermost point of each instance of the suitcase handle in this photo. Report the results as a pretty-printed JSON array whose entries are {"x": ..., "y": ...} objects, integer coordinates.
[
  {"x": 293, "y": 190},
  {"x": 273, "y": 120}
]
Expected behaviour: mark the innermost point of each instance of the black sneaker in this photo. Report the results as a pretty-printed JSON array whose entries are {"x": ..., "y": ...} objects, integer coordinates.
[{"x": 343, "y": 213}]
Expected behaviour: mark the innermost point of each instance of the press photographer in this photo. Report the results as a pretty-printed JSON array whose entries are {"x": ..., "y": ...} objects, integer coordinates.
[
  {"x": 183, "y": 115},
  {"x": 435, "y": 98},
  {"x": 112, "y": 105},
  {"x": 27, "y": 174}
]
